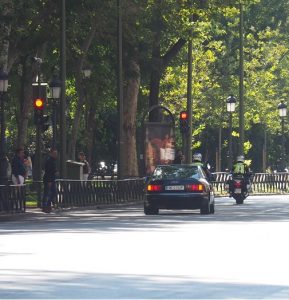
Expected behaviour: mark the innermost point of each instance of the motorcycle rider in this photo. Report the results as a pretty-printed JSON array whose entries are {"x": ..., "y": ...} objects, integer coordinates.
[
  {"x": 197, "y": 161},
  {"x": 240, "y": 169}
]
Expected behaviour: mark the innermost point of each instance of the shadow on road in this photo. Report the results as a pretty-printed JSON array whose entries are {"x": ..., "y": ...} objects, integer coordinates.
[
  {"x": 128, "y": 218},
  {"x": 67, "y": 285}
]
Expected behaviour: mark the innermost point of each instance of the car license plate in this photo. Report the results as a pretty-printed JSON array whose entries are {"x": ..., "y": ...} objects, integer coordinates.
[
  {"x": 238, "y": 191},
  {"x": 175, "y": 188}
]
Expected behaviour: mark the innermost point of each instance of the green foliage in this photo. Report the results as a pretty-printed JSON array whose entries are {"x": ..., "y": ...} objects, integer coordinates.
[{"x": 214, "y": 29}]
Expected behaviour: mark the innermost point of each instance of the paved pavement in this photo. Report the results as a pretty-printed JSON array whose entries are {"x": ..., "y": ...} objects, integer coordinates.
[{"x": 241, "y": 252}]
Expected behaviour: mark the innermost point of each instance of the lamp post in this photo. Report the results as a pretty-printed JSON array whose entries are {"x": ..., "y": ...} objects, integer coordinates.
[
  {"x": 282, "y": 108},
  {"x": 86, "y": 72},
  {"x": 241, "y": 82},
  {"x": 37, "y": 174},
  {"x": 231, "y": 106},
  {"x": 55, "y": 93},
  {"x": 63, "y": 136},
  {"x": 120, "y": 138},
  {"x": 3, "y": 159}
]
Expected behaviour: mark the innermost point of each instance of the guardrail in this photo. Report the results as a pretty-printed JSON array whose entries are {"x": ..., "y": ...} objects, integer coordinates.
[
  {"x": 271, "y": 183},
  {"x": 277, "y": 183},
  {"x": 219, "y": 182},
  {"x": 95, "y": 192},
  {"x": 76, "y": 193},
  {"x": 12, "y": 198}
]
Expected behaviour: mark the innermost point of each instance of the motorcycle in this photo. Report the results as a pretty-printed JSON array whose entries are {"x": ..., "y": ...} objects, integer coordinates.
[{"x": 238, "y": 188}]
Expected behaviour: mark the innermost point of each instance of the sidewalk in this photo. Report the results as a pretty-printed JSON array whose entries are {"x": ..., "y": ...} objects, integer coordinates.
[{"x": 37, "y": 213}]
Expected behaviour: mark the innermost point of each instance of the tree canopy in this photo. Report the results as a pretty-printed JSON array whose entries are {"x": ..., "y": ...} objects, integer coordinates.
[{"x": 155, "y": 35}]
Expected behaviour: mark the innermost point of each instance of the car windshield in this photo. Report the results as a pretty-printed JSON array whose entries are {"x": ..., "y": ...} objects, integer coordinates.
[{"x": 176, "y": 172}]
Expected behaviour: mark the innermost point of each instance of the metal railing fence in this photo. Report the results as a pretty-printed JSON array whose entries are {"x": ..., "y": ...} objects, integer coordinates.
[
  {"x": 12, "y": 198},
  {"x": 271, "y": 183},
  {"x": 95, "y": 192},
  {"x": 76, "y": 193},
  {"x": 262, "y": 183}
]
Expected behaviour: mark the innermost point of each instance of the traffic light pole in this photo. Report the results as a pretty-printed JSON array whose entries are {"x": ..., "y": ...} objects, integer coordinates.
[
  {"x": 241, "y": 82},
  {"x": 3, "y": 164},
  {"x": 120, "y": 143},
  {"x": 62, "y": 127},
  {"x": 184, "y": 144},
  {"x": 38, "y": 147},
  {"x": 188, "y": 153},
  {"x": 54, "y": 126}
]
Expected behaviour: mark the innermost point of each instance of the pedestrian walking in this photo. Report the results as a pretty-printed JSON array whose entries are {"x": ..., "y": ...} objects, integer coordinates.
[
  {"x": 28, "y": 165},
  {"x": 179, "y": 158},
  {"x": 86, "y": 166},
  {"x": 50, "y": 175},
  {"x": 18, "y": 167}
]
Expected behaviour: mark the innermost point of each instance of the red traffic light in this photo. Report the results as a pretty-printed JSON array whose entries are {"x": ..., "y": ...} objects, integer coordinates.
[
  {"x": 38, "y": 104},
  {"x": 184, "y": 121},
  {"x": 184, "y": 115}
]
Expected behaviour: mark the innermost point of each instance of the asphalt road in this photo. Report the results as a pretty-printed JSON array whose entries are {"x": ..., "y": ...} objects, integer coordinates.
[{"x": 242, "y": 251}]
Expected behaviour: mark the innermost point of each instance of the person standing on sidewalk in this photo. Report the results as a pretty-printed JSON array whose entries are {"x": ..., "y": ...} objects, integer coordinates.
[
  {"x": 86, "y": 166},
  {"x": 50, "y": 175},
  {"x": 18, "y": 167}
]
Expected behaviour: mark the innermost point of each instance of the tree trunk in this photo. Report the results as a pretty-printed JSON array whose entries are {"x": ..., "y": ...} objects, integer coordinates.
[
  {"x": 28, "y": 77},
  {"x": 90, "y": 132},
  {"x": 25, "y": 100},
  {"x": 80, "y": 91},
  {"x": 129, "y": 126},
  {"x": 156, "y": 73},
  {"x": 159, "y": 64},
  {"x": 5, "y": 29},
  {"x": 78, "y": 113}
]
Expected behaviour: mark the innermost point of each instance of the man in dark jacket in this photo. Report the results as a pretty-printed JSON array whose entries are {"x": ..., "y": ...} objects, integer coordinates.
[
  {"x": 50, "y": 175},
  {"x": 179, "y": 157},
  {"x": 18, "y": 167}
]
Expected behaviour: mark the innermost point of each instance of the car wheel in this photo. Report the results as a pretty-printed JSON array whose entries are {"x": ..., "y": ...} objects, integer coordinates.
[
  {"x": 150, "y": 210},
  {"x": 205, "y": 208}
]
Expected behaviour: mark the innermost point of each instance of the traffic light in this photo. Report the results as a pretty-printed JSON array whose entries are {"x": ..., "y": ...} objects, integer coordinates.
[
  {"x": 38, "y": 104},
  {"x": 184, "y": 121},
  {"x": 39, "y": 93}
]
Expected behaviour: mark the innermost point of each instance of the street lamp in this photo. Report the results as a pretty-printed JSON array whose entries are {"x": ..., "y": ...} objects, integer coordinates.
[
  {"x": 62, "y": 127},
  {"x": 3, "y": 159},
  {"x": 241, "y": 81},
  {"x": 86, "y": 72},
  {"x": 120, "y": 106},
  {"x": 282, "y": 108},
  {"x": 231, "y": 106},
  {"x": 55, "y": 93}
]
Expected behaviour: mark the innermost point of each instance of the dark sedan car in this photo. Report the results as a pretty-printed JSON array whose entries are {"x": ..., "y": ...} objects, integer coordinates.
[{"x": 179, "y": 187}]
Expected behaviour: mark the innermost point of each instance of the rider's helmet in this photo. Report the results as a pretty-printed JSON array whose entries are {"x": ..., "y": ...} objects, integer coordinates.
[
  {"x": 240, "y": 158},
  {"x": 197, "y": 157}
]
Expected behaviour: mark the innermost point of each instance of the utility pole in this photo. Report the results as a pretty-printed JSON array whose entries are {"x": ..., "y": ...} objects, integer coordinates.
[
  {"x": 38, "y": 102},
  {"x": 188, "y": 144},
  {"x": 120, "y": 142},
  {"x": 188, "y": 155},
  {"x": 63, "y": 93},
  {"x": 241, "y": 82}
]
